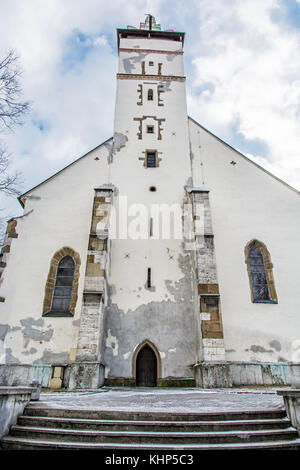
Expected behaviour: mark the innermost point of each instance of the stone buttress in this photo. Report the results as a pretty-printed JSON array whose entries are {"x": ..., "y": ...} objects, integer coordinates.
[
  {"x": 213, "y": 349},
  {"x": 88, "y": 371}
]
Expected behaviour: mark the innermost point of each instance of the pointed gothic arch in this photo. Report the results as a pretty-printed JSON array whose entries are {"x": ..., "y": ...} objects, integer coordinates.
[
  {"x": 136, "y": 352},
  {"x": 60, "y": 256},
  {"x": 260, "y": 272}
]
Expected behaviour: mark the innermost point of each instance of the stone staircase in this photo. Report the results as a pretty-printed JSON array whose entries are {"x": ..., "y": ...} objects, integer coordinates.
[{"x": 53, "y": 428}]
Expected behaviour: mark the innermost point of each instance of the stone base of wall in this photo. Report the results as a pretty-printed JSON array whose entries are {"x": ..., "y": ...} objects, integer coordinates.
[
  {"x": 83, "y": 375},
  {"x": 25, "y": 374},
  {"x": 77, "y": 375},
  {"x": 12, "y": 403},
  {"x": 236, "y": 374},
  {"x": 164, "y": 382},
  {"x": 292, "y": 405},
  {"x": 119, "y": 382},
  {"x": 180, "y": 382}
]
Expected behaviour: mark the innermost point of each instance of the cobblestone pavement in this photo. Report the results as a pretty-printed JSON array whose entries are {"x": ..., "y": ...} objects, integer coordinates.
[{"x": 153, "y": 399}]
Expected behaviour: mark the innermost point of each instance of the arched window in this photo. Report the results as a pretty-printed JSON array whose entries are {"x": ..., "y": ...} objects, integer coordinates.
[
  {"x": 150, "y": 95},
  {"x": 63, "y": 285},
  {"x": 260, "y": 273}
]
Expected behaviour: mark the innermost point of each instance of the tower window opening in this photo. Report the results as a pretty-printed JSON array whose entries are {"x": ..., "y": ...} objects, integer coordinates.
[
  {"x": 151, "y": 63},
  {"x": 150, "y": 129},
  {"x": 149, "y": 278},
  {"x": 151, "y": 159},
  {"x": 151, "y": 227},
  {"x": 150, "y": 95}
]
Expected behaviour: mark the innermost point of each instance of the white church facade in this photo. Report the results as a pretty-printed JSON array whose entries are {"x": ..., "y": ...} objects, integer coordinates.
[{"x": 163, "y": 257}]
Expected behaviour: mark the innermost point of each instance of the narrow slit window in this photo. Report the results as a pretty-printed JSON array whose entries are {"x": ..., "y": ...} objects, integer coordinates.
[
  {"x": 151, "y": 227},
  {"x": 149, "y": 278},
  {"x": 63, "y": 285},
  {"x": 151, "y": 159},
  {"x": 150, "y": 95}
]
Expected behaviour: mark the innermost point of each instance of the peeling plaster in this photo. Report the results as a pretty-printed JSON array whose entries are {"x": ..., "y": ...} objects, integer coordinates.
[
  {"x": 119, "y": 141},
  {"x": 282, "y": 359},
  {"x": 165, "y": 85},
  {"x": 151, "y": 289},
  {"x": 275, "y": 344},
  {"x": 129, "y": 63},
  {"x": 50, "y": 357},
  {"x": 112, "y": 343},
  {"x": 170, "y": 57},
  {"x": 259, "y": 349},
  {"x": 9, "y": 358},
  {"x": 4, "y": 329},
  {"x": 34, "y": 334},
  {"x": 31, "y": 351},
  {"x": 164, "y": 321}
]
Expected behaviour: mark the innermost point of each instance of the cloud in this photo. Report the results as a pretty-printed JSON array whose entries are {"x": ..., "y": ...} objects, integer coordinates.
[
  {"x": 242, "y": 64},
  {"x": 246, "y": 82}
]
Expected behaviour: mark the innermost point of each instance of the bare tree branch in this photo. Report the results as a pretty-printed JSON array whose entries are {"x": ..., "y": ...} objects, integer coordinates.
[
  {"x": 9, "y": 182},
  {"x": 12, "y": 108}
]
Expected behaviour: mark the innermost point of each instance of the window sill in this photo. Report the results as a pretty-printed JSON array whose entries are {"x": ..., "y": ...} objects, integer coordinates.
[
  {"x": 265, "y": 301},
  {"x": 56, "y": 313}
]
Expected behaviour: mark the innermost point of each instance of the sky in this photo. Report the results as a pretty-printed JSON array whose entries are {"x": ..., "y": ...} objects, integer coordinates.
[{"x": 242, "y": 64}]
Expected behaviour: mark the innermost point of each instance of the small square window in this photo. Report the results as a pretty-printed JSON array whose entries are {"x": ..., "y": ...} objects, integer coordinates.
[
  {"x": 150, "y": 129},
  {"x": 150, "y": 95},
  {"x": 151, "y": 160},
  {"x": 151, "y": 63}
]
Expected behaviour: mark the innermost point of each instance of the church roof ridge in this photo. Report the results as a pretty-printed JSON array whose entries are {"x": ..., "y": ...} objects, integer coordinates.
[
  {"x": 192, "y": 119},
  {"x": 244, "y": 156},
  {"x": 59, "y": 171}
]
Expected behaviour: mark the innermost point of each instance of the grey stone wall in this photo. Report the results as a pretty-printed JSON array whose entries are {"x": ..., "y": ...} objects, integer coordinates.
[{"x": 12, "y": 403}]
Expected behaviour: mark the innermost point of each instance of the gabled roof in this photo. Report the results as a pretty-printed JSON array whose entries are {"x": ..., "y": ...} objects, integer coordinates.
[
  {"x": 244, "y": 156},
  {"x": 58, "y": 172},
  {"x": 197, "y": 123}
]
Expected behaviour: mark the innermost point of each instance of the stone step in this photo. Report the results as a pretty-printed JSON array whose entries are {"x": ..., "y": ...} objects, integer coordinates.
[
  {"x": 153, "y": 416},
  {"x": 127, "y": 437},
  {"x": 163, "y": 426},
  {"x": 15, "y": 443}
]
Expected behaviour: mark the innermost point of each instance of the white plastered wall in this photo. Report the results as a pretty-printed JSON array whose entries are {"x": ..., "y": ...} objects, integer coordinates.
[
  {"x": 248, "y": 203},
  {"x": 57, "y": 214}
]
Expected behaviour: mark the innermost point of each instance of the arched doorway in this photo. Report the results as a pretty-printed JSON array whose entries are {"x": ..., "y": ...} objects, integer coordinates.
[{"x": 146, "y": 367}]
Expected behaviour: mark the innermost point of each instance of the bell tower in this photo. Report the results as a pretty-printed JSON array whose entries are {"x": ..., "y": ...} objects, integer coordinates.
[{"x": 150, "y": 280}]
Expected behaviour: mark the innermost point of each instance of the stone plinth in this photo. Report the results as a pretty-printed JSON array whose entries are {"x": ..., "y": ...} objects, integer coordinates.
[
  {"x": 84, "y": 375},
  {"x": 12, "y": 403},
  {"x": 291, "y": 399}
]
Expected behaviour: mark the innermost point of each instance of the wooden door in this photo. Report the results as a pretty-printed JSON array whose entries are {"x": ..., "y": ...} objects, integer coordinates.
[{"x": 146, "y": 368}]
